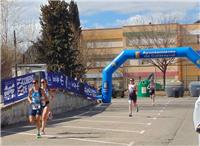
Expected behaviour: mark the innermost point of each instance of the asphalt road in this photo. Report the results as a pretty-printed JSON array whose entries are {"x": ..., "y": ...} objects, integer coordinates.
[{"x": 168, "y": 123}]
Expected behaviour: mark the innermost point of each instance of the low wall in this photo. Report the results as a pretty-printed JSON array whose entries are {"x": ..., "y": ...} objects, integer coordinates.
[{"x": 63, "y": 102}]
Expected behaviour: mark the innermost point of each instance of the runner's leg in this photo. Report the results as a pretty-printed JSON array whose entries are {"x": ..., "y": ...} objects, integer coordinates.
[
  {"x": 130, "y": 107},
  {"x": 38, "y": 125},
  {"x": 45, "y": 115}
]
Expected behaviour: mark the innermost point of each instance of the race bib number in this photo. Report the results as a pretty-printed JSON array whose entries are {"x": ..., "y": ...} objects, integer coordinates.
[{"x": 36, "y": 106}]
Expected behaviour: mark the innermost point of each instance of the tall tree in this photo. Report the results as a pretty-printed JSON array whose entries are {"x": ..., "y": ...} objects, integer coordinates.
[
  {"x": 56, "y": 46},
  {"x": 156, "y": 36},
  {"x": 76, "y": 29}
]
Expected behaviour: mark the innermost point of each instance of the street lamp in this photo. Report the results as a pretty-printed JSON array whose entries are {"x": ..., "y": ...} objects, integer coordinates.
[{"x": 15, "y": 46}]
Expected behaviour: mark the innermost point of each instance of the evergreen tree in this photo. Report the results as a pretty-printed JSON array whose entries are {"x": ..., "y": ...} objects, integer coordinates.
[
  {"x": 56, "y": 45},
  {"x": 76, "y": 29}
]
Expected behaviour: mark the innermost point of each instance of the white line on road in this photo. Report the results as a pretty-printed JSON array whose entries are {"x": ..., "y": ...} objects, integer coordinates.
[
  {"x": 61, "y": 136},
  {"x": 105, "y": 129},
  {"x": 126, "y": 117},
  {"x": 113, "y": 122},
  {"x": 141, "y": 132},
  {"x": 131, "y": 143},
  {"x": 149, "y": 124},
  {"x": 97, "y": 141}
]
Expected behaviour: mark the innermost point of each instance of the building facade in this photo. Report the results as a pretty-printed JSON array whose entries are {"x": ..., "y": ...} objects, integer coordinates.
[{"x": 103, "y": 45}]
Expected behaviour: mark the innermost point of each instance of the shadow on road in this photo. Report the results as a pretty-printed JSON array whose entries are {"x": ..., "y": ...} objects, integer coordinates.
[{"x": 63, "y": 117}]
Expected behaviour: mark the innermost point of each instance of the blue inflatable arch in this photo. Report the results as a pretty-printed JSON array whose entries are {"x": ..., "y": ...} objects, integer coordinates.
[{"x": 138, "y": 54}]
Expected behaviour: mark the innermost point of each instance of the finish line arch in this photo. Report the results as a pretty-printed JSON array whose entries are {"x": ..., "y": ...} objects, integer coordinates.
[{"x": 139, "y": 54}]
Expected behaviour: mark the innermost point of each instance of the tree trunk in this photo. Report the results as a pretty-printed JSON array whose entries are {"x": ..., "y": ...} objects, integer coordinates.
[{"x": 164, "y": 78}]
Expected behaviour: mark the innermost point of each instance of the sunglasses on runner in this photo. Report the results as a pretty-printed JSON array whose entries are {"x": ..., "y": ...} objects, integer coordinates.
[
  {"x": 35, "y": 82},
  {"x": 43, "y": 81}
]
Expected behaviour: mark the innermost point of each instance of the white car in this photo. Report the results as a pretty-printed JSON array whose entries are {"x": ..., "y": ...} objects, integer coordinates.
[{"x": 196, "y": 117}]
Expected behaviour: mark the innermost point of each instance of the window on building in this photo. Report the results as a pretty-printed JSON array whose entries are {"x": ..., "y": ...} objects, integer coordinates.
[
  {"x": 133, "y": 41},
  {"x": 105, "y": 44}
]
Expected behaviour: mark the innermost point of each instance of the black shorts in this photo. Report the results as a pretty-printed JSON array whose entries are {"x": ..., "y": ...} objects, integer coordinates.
[
  {"x": 133, "y": 97},
  {"x": 152, "y": 91},
  {"x": 33, "y": 112},
  {"x": 44, "y": 105}
]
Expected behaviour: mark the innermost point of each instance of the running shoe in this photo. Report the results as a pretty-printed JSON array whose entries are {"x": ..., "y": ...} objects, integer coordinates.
[
  {"x": 43, "y": 133},
  {"x": 38, "y": 135},
  {"x": 137, "y": 109}
]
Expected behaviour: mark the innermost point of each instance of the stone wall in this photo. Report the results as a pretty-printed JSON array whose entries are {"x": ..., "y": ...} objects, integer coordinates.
[{"x": 63, "y": 102}]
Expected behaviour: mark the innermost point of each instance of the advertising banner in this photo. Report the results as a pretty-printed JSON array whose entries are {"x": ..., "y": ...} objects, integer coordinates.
[{"x": 15, "y": 89}]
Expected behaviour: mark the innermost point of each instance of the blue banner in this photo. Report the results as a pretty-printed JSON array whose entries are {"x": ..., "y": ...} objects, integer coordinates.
[
  {"x": 8, "y": 91},
  {"x": 15, "y": 89},
  {"x": 80, "y": 88},
  {"x": 158, "y": 54},
  {"x": 24, "y": 83},
  {"x": 90, "y": 91},
  {"x": 56, "y": 80}
]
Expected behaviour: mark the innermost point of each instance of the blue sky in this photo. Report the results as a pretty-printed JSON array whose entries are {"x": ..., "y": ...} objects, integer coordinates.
[{"x": 117, "y": 13}]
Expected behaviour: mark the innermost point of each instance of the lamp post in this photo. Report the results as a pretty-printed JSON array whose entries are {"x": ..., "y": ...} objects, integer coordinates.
[{"x": 15, "y": 46}]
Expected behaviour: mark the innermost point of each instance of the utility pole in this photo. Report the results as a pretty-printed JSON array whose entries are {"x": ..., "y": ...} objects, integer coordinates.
[{"x": 15, "y": 45}]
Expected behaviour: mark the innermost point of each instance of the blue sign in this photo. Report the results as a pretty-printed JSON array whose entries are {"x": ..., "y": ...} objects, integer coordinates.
[
  {"x": 24, "y": 83},
  {"x": 9, "y": 91},
  {"x": 90, "y": 91},
  {"x": 17, "y": 88},
  {"x": 56, "y": 80},
  {"x": 72, "y": 85},
  {"x": 158, "y": 54}
]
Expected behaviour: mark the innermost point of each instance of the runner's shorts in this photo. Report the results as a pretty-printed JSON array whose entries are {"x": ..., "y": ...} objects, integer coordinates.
[{"x": 35, "y": 111}]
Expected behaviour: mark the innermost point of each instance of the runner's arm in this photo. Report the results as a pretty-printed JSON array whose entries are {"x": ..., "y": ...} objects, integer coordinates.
[
  {"x": 30, "y": 96},
  {"x": 51, "y": 93},
  {"x": 44, "y": 95}
]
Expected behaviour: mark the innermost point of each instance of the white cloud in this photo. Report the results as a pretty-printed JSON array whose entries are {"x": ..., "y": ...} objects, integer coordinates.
[
  {"x": 133, "y": 20},
  {"x": 134, "y": 0},
  {"x": 97, "y": 25},
  {"x": 136, "y": 9},
  {"x": 154, "y": 18},
  {"x": 127, "y": 6}
]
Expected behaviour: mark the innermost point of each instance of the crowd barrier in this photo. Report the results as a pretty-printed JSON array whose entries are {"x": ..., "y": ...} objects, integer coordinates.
[{"x": 15, "y": 89}]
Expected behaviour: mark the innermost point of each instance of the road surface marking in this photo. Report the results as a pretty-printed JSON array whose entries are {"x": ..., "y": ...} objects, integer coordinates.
[
  {"x": 141, "y": 132},
  {"x": 62, "y": 136},
  {"x": 105, "y": 129},
  {"x": 131, "y": 143},
  {"x": 102, "y": 121}
]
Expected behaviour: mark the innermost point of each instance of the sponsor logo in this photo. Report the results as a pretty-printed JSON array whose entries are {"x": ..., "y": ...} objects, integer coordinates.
[
  {"x": 198, "y": 61},
  {"x": 113, "y": 64},
  {"x": 137, "y": 54}
]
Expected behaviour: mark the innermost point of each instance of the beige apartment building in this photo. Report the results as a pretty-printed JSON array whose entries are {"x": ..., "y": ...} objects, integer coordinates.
[{"x": 103, "y": 45}]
